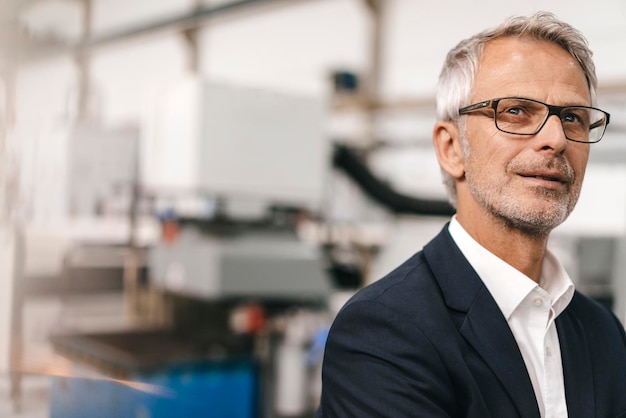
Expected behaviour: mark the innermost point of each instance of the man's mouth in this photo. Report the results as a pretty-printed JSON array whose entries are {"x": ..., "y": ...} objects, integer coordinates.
[
  {"x": 551, "y": 174},
  {"x": 548, "y": 180},
  {"x": 546, "y": 177}
]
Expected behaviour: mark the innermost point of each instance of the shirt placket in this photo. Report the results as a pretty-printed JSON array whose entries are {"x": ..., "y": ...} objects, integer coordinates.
[
  {"x": 538, "y": 321},
  {"x": 552, "y": 371},
  {"x": 547, "y": 349}
]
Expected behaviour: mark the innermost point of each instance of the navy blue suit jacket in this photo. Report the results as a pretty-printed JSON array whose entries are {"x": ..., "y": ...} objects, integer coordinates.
[{"x": 429, "y": 341}]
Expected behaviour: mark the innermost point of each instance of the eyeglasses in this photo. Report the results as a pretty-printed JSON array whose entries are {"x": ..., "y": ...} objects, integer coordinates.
[{"x": 518, "y": 116}]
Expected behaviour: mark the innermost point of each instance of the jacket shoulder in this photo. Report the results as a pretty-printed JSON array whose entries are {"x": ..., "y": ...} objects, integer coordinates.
[{"x": 402, "y": 287}]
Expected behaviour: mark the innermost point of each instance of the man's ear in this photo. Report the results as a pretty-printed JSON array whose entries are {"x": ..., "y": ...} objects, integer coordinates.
[{"x": 447, "y": 142}]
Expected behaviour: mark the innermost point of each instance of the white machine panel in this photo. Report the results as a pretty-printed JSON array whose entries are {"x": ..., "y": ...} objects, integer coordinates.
[
  {"x": 235, "y": 142},
  {"x": 259, "y": 265}
]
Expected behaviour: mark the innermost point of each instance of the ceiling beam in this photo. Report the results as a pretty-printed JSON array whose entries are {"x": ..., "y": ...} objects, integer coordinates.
[{"x": 32, "y": 50}]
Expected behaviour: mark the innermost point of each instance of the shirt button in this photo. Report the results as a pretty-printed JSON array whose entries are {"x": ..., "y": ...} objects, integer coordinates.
[
  {"x": 537, "y": 302},
  {"x": 548, "y": 351}
]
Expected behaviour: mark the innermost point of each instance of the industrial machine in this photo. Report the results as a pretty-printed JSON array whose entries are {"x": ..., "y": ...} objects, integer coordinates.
[{"x": 231, "y": 173}]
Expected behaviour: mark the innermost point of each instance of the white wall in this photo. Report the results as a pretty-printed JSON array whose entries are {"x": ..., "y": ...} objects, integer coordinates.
[
  {"x": 292, "y": 48},
  {"x": 420, "y": 34}
]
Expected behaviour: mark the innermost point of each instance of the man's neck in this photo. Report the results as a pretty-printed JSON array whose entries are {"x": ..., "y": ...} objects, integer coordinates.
[{"x": 521, "y": 249}]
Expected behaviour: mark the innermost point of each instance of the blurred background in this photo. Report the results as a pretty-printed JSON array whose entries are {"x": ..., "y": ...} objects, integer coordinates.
[{"x": 191, "y": 189}]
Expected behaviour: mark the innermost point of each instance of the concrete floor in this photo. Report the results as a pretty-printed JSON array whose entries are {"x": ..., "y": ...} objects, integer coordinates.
[{"x": 34, "y": 402}]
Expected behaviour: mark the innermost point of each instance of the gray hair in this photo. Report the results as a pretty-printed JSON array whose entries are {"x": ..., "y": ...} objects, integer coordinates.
[{"x": 456, "y": 80}]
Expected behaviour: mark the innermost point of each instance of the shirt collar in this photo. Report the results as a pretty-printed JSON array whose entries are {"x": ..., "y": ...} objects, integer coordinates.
[{"x": 508, "y": 286}]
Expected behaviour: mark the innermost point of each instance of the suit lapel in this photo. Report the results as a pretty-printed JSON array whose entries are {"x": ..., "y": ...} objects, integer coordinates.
[
  {"x": 484, "y": 327},
  {"x": 576, "y": 365},
  {"x": 488, "y": 332}
]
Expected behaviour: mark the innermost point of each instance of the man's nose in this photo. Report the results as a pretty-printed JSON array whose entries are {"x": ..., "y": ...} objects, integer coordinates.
[{"x": 552, "y": 135}]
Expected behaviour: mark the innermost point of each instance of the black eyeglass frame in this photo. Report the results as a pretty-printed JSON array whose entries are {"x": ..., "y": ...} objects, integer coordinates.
[{"x": 552, "y": 110}]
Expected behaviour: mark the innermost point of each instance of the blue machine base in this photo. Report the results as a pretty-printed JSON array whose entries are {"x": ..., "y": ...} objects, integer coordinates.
[{"x": 218, "y": 390}]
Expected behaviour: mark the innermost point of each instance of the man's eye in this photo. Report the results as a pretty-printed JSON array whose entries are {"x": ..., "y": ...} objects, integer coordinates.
[
  {"x": 579, "y": 117},
  {"x": 573, "y": 117}
]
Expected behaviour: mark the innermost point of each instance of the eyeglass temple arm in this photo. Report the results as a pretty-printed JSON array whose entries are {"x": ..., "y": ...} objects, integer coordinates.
[
  {"x": 600, "y": 122},
  {"x": 475, "y": 106}
]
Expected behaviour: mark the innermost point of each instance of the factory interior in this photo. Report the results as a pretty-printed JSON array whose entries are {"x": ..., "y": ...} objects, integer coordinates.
[{"x": 191, "y": 189}]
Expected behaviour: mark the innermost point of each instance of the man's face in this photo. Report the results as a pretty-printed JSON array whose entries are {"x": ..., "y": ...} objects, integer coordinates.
[{"x": 530, "y": 182}]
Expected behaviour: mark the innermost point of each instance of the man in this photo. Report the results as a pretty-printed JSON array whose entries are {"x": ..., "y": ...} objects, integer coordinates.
[{"x": 485, "y": 322}]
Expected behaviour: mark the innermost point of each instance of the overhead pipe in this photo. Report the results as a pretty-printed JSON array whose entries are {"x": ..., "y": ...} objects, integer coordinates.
[{"x": 352, "y": 164}]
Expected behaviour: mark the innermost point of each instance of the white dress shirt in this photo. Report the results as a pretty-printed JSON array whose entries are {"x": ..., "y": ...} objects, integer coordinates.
[{"x": 530, "y": 310}]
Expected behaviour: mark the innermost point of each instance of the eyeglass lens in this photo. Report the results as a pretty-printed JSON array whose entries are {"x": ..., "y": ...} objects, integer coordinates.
[{"x": 526, "y": 117}]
